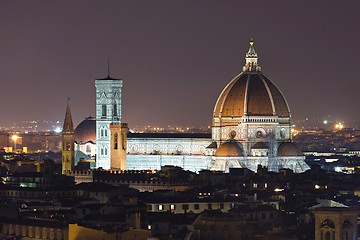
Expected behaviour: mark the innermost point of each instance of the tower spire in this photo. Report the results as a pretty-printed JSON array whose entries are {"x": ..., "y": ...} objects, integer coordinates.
[
  {"x": 68, "y": 123},
  {"x": 251, "y": 64}
]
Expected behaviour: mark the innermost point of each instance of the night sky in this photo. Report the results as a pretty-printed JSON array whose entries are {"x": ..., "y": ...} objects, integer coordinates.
[{"x": 175, "y": 57}]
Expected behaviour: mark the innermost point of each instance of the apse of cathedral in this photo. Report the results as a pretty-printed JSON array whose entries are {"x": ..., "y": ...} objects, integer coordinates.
[{"x": 251, "y": 127}]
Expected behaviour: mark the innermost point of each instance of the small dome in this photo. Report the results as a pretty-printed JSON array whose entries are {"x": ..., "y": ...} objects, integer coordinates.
[
  {"x": 230, "y": 148},
  {"x": 86, "y": 131},
  {"x": 260, "y": 145},
  {"x": 289, "y": 149}
]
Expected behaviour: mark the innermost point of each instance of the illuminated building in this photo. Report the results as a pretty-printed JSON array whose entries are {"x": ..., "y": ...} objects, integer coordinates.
[
  {"x": 108, "y": 111},
  {"x": 250, "y": 127},
  {"x": 68, "y": 142}
]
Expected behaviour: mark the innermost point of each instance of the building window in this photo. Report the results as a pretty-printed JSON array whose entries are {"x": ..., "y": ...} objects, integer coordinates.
[
  {"x": 105, "y": 130},
  {"x": 185, "y": 207},
  {"x": 102, "y": 132},
  {"x": 150, "y": 207},
  {"x": 116, "y": 141},
  {"x": 115, "y": 110},
  {"x": 209, "y": 206},
  {"x": 221, "y": 205},
  {"x": 161, "y": 207},
  {"x": 196, "y": 206},
  {"x": 102, "y": 151},
  {"x": 103, "y": 110},
  {"x": 327, "y": 236},
  {"x": 105, "y": 151},
  {"x": 67, "y": 146},
  {"x": 172, "y": 207},
  {"x": 88, "y": 149}
]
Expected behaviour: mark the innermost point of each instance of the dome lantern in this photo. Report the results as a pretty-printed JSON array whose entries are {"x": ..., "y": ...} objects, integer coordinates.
[{"x": 251, "y": 58}]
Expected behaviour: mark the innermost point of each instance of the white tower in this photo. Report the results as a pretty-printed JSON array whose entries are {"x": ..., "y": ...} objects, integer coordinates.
[{"x": 108, "y": 110}]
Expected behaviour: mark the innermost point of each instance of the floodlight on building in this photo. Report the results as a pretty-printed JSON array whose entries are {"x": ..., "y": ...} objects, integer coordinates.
[{"x": 58, "y": 129}]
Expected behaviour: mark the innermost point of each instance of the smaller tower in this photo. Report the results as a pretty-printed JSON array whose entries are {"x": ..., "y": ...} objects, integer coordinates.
[
  {"x": 68, "y": 142},
  {"x": 118, "y": 143}
]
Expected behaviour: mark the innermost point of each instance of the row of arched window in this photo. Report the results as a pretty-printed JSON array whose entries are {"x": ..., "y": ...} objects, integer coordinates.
[{"x": 104, "y": 110}]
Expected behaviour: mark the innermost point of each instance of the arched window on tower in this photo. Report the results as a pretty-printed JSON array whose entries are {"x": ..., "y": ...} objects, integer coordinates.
[
  {"x": 102, "y": 152},
  {"x": 67, "y": 146},
  {"x": 327, "y": 236},
  {"x": 115, "y": 109},
  {"x": 103, "y": 110},
  {"x": 115, "y": 141},
  {"x": 105, "y": 151}
]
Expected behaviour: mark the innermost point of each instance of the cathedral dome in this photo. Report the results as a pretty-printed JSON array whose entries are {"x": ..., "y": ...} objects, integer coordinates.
[
  {"x": 251, "y": 93},
  {"x": 289, "y": 149},
  {"x": 230, "y": 148},
  {"x": 86, "y": 131}
]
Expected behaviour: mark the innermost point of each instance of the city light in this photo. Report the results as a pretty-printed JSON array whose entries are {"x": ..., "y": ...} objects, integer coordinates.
[
  {"x": 58, "y": 129},
  {"x": 325, "y": 122},
  {"x": 15, "y": 137},
  {"x": 339, "y": 126}
]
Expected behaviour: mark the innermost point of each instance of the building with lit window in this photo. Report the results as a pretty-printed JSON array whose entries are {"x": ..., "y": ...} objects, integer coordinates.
[{"x": 251, "y": 126}]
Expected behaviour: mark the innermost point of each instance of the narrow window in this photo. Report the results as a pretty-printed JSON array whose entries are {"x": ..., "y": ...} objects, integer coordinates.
[
  {"x": 105, "y": 151},
  {"x": 67, "y": 146},
  {"x": 116, "y": 141},
  {"x": 102, "y": 151},
  {"x": 104, "y": 110},
  {"x": 88, "y": 149},
  {"x": 115, "y": 110},
  {"x": 105, "y": 132}
]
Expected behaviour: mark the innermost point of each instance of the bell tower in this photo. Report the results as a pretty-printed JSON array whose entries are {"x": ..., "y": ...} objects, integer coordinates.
[
  {"x": 68, "y": 142},
  {"x": 108, "y": 111}
]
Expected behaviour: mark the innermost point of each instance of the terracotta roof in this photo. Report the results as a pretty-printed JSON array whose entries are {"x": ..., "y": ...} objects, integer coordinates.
[
  {"x": 260, "y": 145},
  {"x": 289, "y": 149},
  {"x": 230, "y": 148},
  {"x": 251, "y": 93},
  {"x": 169, "y": 135}
]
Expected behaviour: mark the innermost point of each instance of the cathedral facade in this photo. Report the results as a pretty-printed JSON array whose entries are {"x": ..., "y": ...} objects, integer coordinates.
[{"x": 251, "y": 126}]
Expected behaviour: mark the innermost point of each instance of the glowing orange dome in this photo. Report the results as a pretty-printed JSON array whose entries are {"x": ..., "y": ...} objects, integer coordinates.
[
  {"x": 230, "y": 148},
  {"x": 288, "y": 149}
]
